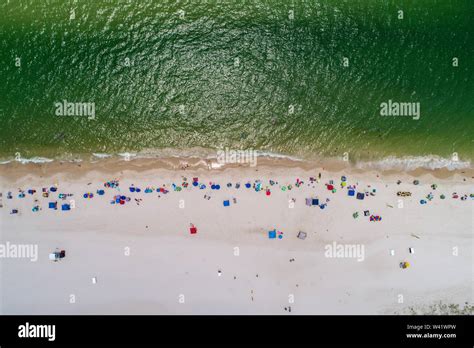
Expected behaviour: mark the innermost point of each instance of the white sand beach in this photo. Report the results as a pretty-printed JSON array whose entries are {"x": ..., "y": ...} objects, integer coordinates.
[{"x": 231, "y": 266}]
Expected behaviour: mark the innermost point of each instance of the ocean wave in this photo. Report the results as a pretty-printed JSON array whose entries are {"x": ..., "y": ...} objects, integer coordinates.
[
  {"x": 415, "y": 162},
  {"x": 28, "y": 160},
  {"x": 407, "y": 163},
  {"x": 101, "y": 155}
]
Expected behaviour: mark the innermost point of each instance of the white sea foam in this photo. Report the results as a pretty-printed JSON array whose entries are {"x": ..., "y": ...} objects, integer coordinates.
[
  {"x": 412, "y": 163},
  {"x": 408, "y": 163},
  {"x": 29, "y": 160},
  {"x": 101, "y": 155}
]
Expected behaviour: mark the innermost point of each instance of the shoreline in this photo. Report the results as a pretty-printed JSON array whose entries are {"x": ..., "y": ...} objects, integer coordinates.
[{"x": 13, "y": 171}]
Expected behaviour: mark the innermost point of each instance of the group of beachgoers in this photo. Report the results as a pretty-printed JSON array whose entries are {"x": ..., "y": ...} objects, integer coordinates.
[{"x": 65, "y": 201}]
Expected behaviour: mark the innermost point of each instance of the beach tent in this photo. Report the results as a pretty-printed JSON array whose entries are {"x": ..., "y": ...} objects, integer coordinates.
[
  {"x": 315, "y": 201},
  {"x": 226, "y": 203},
  {"x": 100, "y": 192},
  {"x": 272, "y": 234},
  {"x": 351, "y": 193},
  {"x": 65, "y": 207},
  {"x": 360, "y": 195},
  {"x": 301, "y": 235},
  {"x": 308, "y": 202},
  {"x": 193, "y": 230},
  {"x": 53, "y": 205}
]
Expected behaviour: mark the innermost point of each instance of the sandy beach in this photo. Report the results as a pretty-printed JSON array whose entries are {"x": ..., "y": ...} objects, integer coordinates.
[{"x": 140, "y": 257}]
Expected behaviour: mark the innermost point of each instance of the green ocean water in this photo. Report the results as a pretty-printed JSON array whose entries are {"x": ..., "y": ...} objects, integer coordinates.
[{"x": 265, "y": 75}]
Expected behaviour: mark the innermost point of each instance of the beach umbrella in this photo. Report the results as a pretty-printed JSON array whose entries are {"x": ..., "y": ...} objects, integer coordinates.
[
  {"x": 247, "y": 185},
  {"x": 195, "y": 183}
]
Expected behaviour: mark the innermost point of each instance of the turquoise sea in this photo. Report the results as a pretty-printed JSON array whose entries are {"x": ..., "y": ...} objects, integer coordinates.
[{"x": 300, "y": 78}]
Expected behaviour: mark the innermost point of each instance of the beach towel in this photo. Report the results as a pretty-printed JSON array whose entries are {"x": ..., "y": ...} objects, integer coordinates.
[{"x": 226, "y": 203}]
